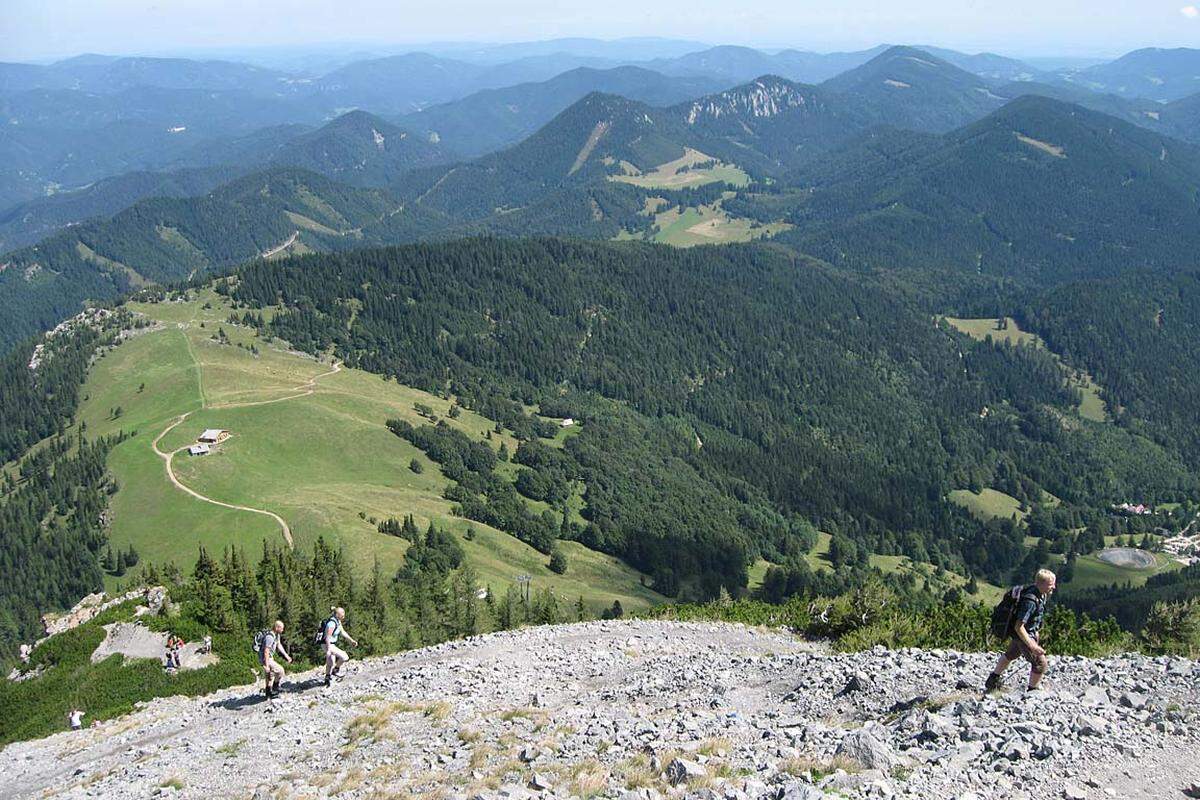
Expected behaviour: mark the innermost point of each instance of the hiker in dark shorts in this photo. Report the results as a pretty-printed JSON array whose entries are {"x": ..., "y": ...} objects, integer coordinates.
[{"x": 1024, "y": 631}]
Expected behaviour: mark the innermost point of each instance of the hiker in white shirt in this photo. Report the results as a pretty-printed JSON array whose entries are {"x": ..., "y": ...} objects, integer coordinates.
[
  {"x": 331, "y": 631},
  {"x": 75, "y": 718}
]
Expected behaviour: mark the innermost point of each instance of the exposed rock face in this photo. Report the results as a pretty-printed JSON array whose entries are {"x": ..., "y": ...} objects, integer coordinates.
[
  {"x": 766, "y": 97},
  {"x": 648, "y": 711},
  {"x": 93, "y": 605}
]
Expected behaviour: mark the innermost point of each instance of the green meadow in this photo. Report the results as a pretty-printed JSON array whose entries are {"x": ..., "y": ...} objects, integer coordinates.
[
  {"x": 1091, "y": 405},
  {"x": 307, "y": 444},
  {"x": 683, "y": 173},
  {"x": 989, "y": 504},
  {"x": 818, "y": 559}
]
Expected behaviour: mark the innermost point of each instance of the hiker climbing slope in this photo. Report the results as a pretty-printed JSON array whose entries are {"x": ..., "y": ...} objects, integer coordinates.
[
  {"x": 1020, "y": 616},
  {"x": 267, "y": 644},
  {"x": 332, "y": 630}
]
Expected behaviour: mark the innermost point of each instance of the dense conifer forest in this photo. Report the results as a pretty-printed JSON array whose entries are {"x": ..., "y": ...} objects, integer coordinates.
[{"x": 735, "y": 396}]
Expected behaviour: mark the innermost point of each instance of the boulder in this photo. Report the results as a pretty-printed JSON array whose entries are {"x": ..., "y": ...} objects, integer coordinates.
[
  {"x": 868, "y": 749},
  {"x": 798, "y": 790},
  {"x": 681, "y": 770}
]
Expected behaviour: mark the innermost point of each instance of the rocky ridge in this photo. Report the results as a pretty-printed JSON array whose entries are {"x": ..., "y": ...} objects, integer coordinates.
[{"x": 649, "y": 711}]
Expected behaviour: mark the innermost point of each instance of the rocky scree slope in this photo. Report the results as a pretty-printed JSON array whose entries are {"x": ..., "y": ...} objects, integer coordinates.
[{"x": 643, "y": 711}]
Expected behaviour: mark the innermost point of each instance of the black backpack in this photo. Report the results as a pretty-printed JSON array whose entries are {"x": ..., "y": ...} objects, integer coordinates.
[
  {"x": 319, "y": 637},
  {"x": 1002, "y": 614}
]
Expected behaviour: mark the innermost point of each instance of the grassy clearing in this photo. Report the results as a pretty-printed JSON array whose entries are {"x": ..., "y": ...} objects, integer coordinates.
[
  {"x": 322, "y": 461},
  {"x": 1091, "y": 571},
  {"x": 981, "y": 329},
  {"x": 818, "y": 559},
  {"x": 1091, "y": 405},
  {"x": 989, "y": 504},
  {"x": 707, "y": 224},
  {"x": 683, "y": 173}
]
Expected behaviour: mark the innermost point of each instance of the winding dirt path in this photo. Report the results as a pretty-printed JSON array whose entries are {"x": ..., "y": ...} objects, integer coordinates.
[{"x": 168, "y": 456}]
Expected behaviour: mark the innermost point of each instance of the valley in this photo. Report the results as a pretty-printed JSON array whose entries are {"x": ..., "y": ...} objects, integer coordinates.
[{"x": 475, "y": 337}]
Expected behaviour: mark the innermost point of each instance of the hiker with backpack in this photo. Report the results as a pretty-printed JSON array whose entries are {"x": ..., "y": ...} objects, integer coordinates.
[
  {"x": 327, "y": 637},
  {"x": 1018, "y": 618},
  {"x": 267, "y": 644}
]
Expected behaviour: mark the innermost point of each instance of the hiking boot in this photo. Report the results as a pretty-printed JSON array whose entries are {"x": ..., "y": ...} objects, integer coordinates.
[
  {"x": 327, "y": 681},
  {"x": 993, "y": 683}
]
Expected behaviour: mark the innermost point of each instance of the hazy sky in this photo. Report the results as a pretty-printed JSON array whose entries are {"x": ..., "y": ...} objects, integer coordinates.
[{"x": 31, "y": 29}]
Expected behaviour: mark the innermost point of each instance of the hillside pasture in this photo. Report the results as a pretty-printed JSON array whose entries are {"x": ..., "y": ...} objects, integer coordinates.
[
  {"x": 818, "y": 559},
  {"x": 1099, "y": 569},
  {"x": 684, "y": 173},
  {"x": 707, "y": 224},
  {"x": 306, "y": 443},
  {"x": 1091, "y": 405},
  {"x": 989, "y": 504}
]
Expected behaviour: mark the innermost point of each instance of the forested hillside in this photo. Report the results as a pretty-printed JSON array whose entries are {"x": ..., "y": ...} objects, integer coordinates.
[
  {"x": 1040, "y": 191},
  {"x": 910, "y": 88},
  {"x": 51, "y": 502},
  {"x": 1140, "y": 336},
  {"x": 768, "y": 376},
  {"x": 30, "y": 222},
  {"x": 167, "y": 239},
  {"x": 360, "y": 149}
]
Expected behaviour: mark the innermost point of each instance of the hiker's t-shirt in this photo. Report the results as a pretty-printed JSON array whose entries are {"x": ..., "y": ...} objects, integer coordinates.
[
  {"x": 333, "y": 629},
  {"x": 270, "y": 645},
  {"x": 76, "y": 720},
  {"x": 1031, "y": 609}
]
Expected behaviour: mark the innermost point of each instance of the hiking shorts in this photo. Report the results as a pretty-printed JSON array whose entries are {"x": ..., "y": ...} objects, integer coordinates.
[
  {"x": 1017, "y": 649},
  {"x": 334, "y": 655},
  {"x": 274, "y": 670}
]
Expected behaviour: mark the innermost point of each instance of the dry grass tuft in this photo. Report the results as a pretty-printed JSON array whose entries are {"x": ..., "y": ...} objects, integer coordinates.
[
  {"x": 480, "y": 756},
  {"x": 588, "y": 779},
  {"x": 353, "y": 779},
  {"x": 438, "y": 711},
  {"x": 818, "y": 767},
  {"x": 717, "y": 746},
  {"x": 373, "y": 724},
  {"x": 638, "y": 774}
]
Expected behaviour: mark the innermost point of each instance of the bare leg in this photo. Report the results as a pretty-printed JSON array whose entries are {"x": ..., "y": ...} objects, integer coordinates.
[{"x": 1001, "y": 665}]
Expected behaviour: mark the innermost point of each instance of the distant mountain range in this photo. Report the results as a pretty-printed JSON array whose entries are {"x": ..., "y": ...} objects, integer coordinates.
[
  {"x": 1152, "y": 73},
  {"x": 1040, "y": 191},
  {"x": 495, "y": 118},
  {"x": 68, "y": 124},
  {"x": 856, "y": 164}
]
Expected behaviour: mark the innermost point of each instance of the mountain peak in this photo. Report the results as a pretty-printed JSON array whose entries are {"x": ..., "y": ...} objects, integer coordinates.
[{"x": 764, "y": 97}]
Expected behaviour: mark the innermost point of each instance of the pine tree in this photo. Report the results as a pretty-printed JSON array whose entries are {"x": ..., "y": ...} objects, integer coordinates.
[{"x": 409, "y": 531}]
